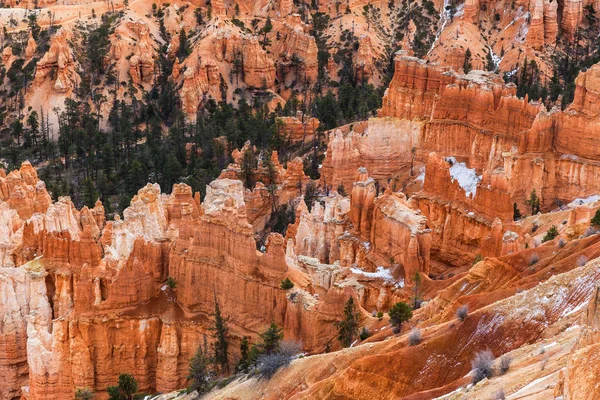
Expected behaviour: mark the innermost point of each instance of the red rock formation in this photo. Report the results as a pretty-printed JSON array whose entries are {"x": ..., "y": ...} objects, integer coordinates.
[
  {"x": 141, "y": 63},
  {"x": 58, "y": 64},
  {"x": 24, "y": 192},
  {"x": 292, "y": 45},
  {"x": 299, "y": 128}
]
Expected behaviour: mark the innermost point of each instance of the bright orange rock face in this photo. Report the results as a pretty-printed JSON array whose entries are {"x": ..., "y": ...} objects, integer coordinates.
[{"x": 88, "y": 298}]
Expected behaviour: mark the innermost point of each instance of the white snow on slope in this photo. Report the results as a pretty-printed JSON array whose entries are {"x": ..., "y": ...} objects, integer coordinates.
[
  {"x": 467, "y": 177},
  {"x": 582, "y": 201}
]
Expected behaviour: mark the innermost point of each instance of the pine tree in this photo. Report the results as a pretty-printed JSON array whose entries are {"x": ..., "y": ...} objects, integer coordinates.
[
  {"x": 90, "y": 194},
  {"x": 271, "y": 339},
  {"x": 247, "y": 167},
  {"x": 221, "y": 340},
  {"x": 596, "y": 219},
  {"x": 417, "y": 297},
  {"x": 199, "y": 372},
  {"x": 550, "y": 234},
  {"x": 348, "y": 327},
  {"x": 184, "y": 47},
  {"x": 467, "y": 65},
  {"x": 516, "y": 213},
  {"x": 244, "y": 363},
  {"x": 534, "y": 202},
  {"x": 399, "y": 313}
]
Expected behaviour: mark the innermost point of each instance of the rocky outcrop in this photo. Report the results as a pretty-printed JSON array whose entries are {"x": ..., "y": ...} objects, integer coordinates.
[
  {"x": 294, "y": 50},
  {"x": 141, "y": 63},
  {"x": 299, "y": 128},
  {"x": 23, "y": 191},
  {"x": 31, "y": 47},
  {"x": 58, "y": 64}
]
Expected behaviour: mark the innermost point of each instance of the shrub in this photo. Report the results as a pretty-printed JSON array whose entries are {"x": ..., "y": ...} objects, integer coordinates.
[
  {"x": 414, "y": 337},
  {"x": 477, "y": 259},
  {"x": 590, "y": 231},
  {"x": 534, "y": 259},
  {"x": 380, "y": 315},
  {"x": 500, "y": 394},
  {"x": 550, "y": 234},
  {"x": 482, "y": 366},
  {"x": 125, "y": 390},
  {"x": 463, "y": 312},
  {"x": 561, "y": 243},
  {"x": 171, "y": 283},
  {"x": 582, "y": 260},
  {"x": 286, "y": 284},
  {"x": 504, "y": 366},
  {"x": 269, "y": 364},
  {"x": 364, "y": 333},
  {"x": 84, "y": 394}
]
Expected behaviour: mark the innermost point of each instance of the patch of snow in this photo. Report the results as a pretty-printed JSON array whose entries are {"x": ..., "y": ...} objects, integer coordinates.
[
  {"x": 448, "y": 395},
  {"x": 532, "y": 384},
  {"x": 571, "y": 157},
  {"x": 573, "y": 310},
  {"x": 353, "y": 343},
  {"x": 495, "y": 59},
  {"x": 546, "y": 347},
  {"x": 381, "y": 272},
  {"x": 569, "y": 329},
  {"x": 467, "y": 177},
  {"x": 421, "y": 177},
  {"x": 444, "y": 17},
  {"x": 510, "y": 236},
  {"x": 581, "y": 201}
]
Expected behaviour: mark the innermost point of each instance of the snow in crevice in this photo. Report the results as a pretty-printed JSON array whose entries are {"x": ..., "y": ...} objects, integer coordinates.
[
  {"x": 495, "y": 58},
  {"x": 467, "y": 177},
  {"x": 444, "y": 17},
  {"x": 421, "y": 176}
]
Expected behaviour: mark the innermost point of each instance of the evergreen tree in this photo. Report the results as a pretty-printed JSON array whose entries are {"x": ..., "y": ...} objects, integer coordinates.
[
  {"x": 490, "y": 65},
  {"x": 34, "y": 28},
  {"x": 516, "y": 213},
  {"x": 199, "y": 373},
  {"x": 244, "y": 362},
  {"x": 550, "y": 234},
  {"x": 534, "y": 202},
  {"x": 348, "y": 327},
  {"x": 596, "y": 219},
  {"x": 271, "y": 339},
  {"x": 467, "y": 65},
  {"x": 33, "y": 129},
  {"x": 399, "y": 313},
  {"x": 90, "y": 194},
  {"x": 247, "y": 168},
  {"x": 125, "y": 390},
  {"x": 310, "y": 194},
  {"x": 184, "y": 46},
  {"x": 221, "y": 340},
  {"x": 417, "y": 297}
]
